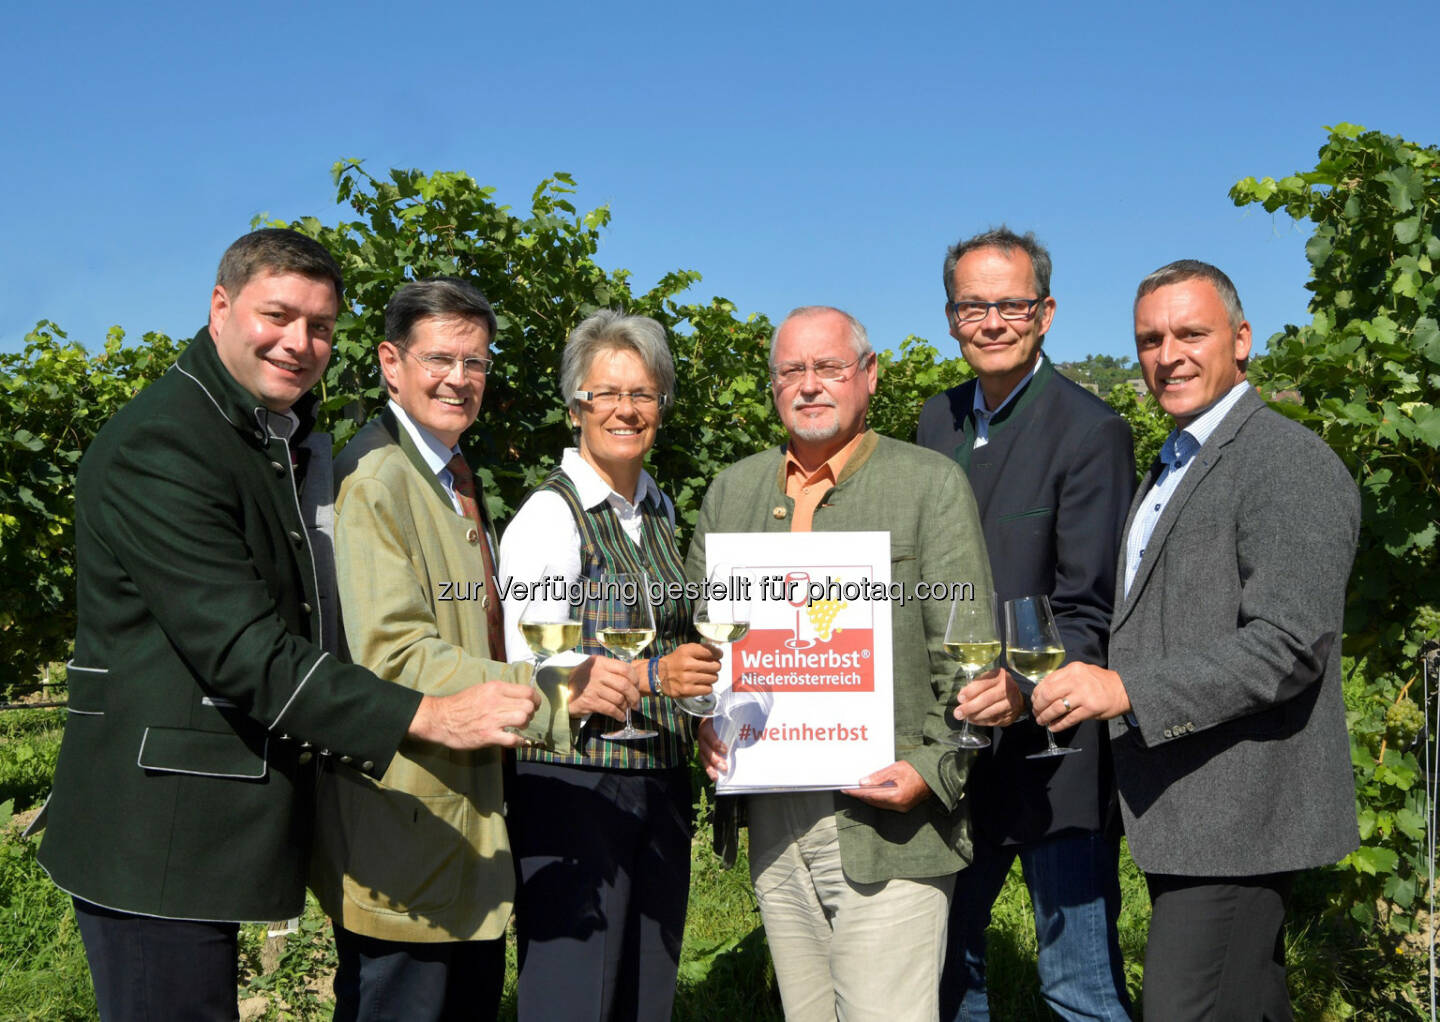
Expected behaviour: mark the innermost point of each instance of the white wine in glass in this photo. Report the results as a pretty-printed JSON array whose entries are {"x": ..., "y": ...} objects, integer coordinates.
[
  {"x": 624, "y": 625},
  {"x": 722, "y": 615},
  {"x": 973, "y": 639},
  {"x": 549, "y": 625},
  {"x": 1034, "y": 649}
]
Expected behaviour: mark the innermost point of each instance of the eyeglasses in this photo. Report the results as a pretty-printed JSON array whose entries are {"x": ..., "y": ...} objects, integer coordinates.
[
  {"x": 440, "y": 366},
  {"x": 1009, "y": 308},
  {"x": 607, "y": 400},
  {"x": 787, "y": 373}
]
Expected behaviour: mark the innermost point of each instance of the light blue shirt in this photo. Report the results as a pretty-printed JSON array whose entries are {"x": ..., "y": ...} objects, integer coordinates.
[
  {"x": 983, "y": 415},
  {"x": 1178, "y": 453}
]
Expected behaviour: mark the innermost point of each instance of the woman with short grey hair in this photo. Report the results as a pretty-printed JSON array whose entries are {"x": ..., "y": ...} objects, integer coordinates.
[{"x": 601, "y": 830}]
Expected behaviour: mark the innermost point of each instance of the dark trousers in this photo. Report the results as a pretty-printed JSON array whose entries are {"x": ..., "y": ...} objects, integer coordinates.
[
  {"x": 1217, "y": 948},
  {"x": 604, "y": 861},
  {"x": 381, "y": 980},
  {"x": 147, "y": 969}
]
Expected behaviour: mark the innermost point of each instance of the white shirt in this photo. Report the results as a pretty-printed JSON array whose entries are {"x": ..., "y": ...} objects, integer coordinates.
[
  {"x": 542, "y": 540},
  {"x": 983, "y": 415},
  {"x": 1178, "y": 452}
]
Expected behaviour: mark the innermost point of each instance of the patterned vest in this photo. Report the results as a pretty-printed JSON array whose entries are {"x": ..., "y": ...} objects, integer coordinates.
[{"x": 604, "y": 547}]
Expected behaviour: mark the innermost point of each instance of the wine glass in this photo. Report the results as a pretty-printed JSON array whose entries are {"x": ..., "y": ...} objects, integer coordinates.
[
  {"x": 624, "y": 625},
  {"x": 1034, "y": 649},
  {"x": 973, "y": 638},
  {"x": 797, "y": 594},
  {"x": 722, "y": 615},
  {"x": 549, "y": 624}
]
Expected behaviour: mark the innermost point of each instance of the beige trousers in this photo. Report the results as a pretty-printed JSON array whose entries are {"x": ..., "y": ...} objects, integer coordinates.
[{"x": 842, "y": 950}]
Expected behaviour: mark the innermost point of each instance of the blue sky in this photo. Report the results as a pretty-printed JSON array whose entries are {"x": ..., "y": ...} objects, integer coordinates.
[{"x": 793, "y": 153}]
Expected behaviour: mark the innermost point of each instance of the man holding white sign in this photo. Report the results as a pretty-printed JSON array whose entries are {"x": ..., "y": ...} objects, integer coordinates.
[{"x": 854, "y": 884}]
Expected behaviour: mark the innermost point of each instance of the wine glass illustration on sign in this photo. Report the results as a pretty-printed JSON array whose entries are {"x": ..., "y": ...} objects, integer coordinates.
[
  {"x": 624, "y": 625},
  {"x": 549, "y": 624},
  {"x": 797, "y": 586},
  {"x": 722, "y": 616},
  {"x": 973, "y": 638},
  {"x": 1034, "y": 649}
]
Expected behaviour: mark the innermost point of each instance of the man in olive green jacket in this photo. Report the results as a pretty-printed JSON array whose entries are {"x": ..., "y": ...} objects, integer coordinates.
[
  {"x": 415, "y": 868},
  {"x": 854, "y": 886},
  {"x": 200, "y": 692}
]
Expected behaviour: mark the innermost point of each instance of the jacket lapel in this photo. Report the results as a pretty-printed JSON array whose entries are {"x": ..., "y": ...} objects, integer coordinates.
[
  {"x": 1205, "y": 460},
  {"x": 402, "y": 437}
]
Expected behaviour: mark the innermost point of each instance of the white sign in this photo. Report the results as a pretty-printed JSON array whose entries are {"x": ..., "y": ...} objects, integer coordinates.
[{"x": 807, "y": 693}]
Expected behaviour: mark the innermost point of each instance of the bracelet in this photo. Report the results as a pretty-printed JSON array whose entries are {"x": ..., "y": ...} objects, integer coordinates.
[{"x": 654, "y": 675}]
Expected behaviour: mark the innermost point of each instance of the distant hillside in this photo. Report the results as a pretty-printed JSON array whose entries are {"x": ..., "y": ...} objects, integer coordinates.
[{"x": 1100, "y": 373}]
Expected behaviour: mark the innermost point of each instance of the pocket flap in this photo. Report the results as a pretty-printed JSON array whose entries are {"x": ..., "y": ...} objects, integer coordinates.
[
  {"x": 207, "y": 753},
  {"x": 1034, "y": 512}
]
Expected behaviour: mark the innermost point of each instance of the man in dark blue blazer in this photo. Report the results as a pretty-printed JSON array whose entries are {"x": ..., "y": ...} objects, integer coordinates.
[
  {"x": 1223, "y": 694},
  {"x": 1052, "y": 470}
]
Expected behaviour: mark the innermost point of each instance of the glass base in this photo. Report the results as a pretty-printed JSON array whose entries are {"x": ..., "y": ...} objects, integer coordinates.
[
  {"x": 1059, "y": 750},
  {"x": 628, "y": 734},
  {"x": 699, "y": 706},
  {"x": 967, "y": 740}
]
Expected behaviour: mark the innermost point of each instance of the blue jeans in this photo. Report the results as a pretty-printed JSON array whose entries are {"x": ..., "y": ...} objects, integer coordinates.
[{"x": 1075, "y": 887}]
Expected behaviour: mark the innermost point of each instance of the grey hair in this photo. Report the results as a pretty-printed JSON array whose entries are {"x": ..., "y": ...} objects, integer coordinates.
[
  {"x": 858, "y": 337},
  {"x": 1182, "y": 270},
  {"x": 613, "y": 330},
  {"x": 435, "y": 297},
  {"x": 1007, "y": 241}
]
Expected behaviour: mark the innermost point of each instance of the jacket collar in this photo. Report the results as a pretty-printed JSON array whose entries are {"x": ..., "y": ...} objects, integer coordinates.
[
  {"x": 858, "y": 457},
  {"x": 406, "y": 443},
  {"x": 201, "y": 363}
]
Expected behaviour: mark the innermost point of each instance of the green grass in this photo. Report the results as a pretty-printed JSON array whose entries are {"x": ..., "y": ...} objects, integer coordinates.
[{"x": 1336, "y": 973}]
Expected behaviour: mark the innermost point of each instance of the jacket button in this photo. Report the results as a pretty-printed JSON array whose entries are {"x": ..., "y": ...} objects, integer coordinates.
[
  {"x": 473, "y": 536},
  {"x": 305, "y": 608},
  {"x": 779, "y": 512},
  {"x": 369, "y": 764},
  {"x": 305, "y": 757},
  {"x": 284, "y": 738},
  {"x": 279, "y": 468},
  {"x": 1189, "y": 726},
  {"x": 295, "y": 537},
  {"x": 345, "y": 759},
  {"x": 1169, "y": 732}
]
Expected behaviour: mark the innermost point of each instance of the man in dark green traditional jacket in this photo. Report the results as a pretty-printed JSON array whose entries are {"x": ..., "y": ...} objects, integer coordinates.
[{"x": 200, "y": 692}]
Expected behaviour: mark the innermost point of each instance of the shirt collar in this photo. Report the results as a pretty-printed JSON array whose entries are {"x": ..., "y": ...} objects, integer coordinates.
[
  {"x": 1182, "y": 443},
  {"x": 834, "y": 465},
  {"x": 435, "y": 454},
  {"x": 982, "y": 412},
  {"x": 593, "y": 489}
]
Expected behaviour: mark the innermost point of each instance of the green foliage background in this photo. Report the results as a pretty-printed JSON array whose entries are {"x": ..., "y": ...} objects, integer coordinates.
[{"x": 1366, "y": 370}]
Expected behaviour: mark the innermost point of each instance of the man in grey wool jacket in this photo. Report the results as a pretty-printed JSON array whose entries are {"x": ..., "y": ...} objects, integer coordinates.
[{"x": 1223, "y": 694}]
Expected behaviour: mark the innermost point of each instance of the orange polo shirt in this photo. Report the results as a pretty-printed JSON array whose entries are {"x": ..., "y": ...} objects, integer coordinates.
[{"x": 807, "y": 489}]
